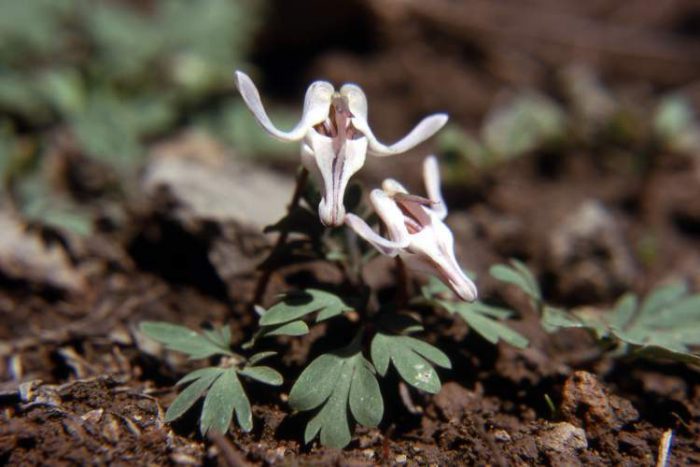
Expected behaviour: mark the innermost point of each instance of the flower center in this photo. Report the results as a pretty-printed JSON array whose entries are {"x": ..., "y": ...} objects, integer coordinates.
[
  {"x": 338, "y": 126},
  {"x": 413, "y": 209}
]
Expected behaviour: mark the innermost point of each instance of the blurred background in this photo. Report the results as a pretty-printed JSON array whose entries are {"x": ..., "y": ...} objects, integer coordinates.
[{"x": 558, "y": 108}]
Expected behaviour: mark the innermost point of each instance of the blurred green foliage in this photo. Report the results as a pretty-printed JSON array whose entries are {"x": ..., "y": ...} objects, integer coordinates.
[
  {"x": 115, "y": 76},
  {"x": 588, "y": 116}
]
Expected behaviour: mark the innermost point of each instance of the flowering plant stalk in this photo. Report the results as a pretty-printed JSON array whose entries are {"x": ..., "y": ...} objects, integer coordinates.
[
  {"x": 345, "y": 384},
  {"x": 342, "y": 386}
]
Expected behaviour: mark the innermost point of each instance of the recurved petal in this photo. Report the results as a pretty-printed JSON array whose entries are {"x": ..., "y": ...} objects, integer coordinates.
[
  {"x": 431, "y": 177},
  {"x": 316, "y": 107},
  {"x": 457, "y": 280},
  {"x": 357, "y": 101},
  {"x": 392, "y": 186},
  {"x": 384, "y": 246},
  {"x": 392, "y": 217},
  {"x": 424, "y": 130},
  {"x": 442, "y": 255}
]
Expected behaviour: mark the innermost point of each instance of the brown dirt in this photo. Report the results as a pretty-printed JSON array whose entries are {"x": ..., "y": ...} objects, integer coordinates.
[{"x": 78, "y": 386}]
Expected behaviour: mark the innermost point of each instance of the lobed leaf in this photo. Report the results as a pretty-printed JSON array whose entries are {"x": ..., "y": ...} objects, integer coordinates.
[
  {"x": 366, "y": 403},
  {"x": 412, "y": 358},
  {"x": 192, "y": 393},
  {"x": 218, "y": 407},
  {"x": 519, "y": 275},
  {"x": 483, "y": 319},
  {"x": 182, "y": 339},
  {"x": 293, "y": 328},
  {"x": 492, "y": 330},
  {"x": 665, "y": 325},
  {"x": 264, "y": 374},
  {"x": 220, "y": 336},
  {"x": 297, "y": 305},
  {"x": 659, "y": 298},
  {"x": 331, "y": 422},
  {"x": 260, "y": 356},
  {"x": 338, "y": 382},
  {"x": 197, "y": 374},
  {"x": 241, "y": 405},
  {"x": 316, "y": 382}
]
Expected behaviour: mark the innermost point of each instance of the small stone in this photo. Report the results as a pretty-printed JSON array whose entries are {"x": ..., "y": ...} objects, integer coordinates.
[
  {"x": 180, "y": 458},
  {"x": 589, "y": 245},
  {"x": 111, "y": 429},
  {"x": 368, "y": 453},
  {"x": 93, "y": 416},
  {"x": 24, "y": 255},
  {"x": 563, "y": 438},
  {"x": 401, "y": 459},
  {"x": 501, "y": 435}
]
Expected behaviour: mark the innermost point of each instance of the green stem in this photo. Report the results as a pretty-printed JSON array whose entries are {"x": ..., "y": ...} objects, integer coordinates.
[{"x": 264, "y": 278}]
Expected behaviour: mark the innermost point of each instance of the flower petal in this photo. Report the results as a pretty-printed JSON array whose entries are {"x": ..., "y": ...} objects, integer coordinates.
[
  {"x": 384, "y": 246},
  {"x": 424, "y": 130},
  {"x": 333, "y": 171},
  {"x": 391, "y": 216},
  {"x": 431, "y": 177},
  {"x": 391, "y": 187},
  {"x": 435, "y": 245},
  {"x": 357, "y": 101},
  {"x": 316, "y": 107}
]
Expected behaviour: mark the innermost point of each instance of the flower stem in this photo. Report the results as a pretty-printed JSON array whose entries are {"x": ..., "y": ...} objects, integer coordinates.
[
  {"x": 264, "y": 278},
  {"x": 401, "y": 284}
]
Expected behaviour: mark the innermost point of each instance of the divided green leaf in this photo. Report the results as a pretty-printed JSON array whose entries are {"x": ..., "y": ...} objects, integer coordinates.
[
  {"x": 299, "y": 304},
  {"x": 185, "y": 340},
  {"x": 412, "y": 358},
  {"x": 486, "y": 320},
  {"x": 519, "y": 275},
  {"x": 264, "y": 374},
  {"x": 335, "y": 382},
  {"x": 665, "y": 325},
  {"x": 293, "y": 328},
  {"x": 200, "y": 383},
  {"x": 223, "y": 396}
]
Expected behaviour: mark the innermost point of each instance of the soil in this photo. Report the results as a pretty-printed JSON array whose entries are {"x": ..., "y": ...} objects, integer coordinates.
[
  {"x": 80, "y": 386},
  {"x": 82, "y": 389}
]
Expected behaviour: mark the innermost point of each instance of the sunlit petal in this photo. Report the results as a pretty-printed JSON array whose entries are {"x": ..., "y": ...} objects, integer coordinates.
[
  {"x": 384, "y": 246},
  {"x": 424, "y": 130},
  {"x": 333, "y": 173},
  {"x": 316, "y": 107},
  {"x": 431, "y": 176}
]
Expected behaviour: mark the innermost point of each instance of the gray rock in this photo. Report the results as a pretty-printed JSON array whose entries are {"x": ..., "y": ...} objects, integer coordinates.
[
  {"x": 207, "y": 183},
  {"x": 25, "y": 256},
  {"x": 589, "y": 253}
]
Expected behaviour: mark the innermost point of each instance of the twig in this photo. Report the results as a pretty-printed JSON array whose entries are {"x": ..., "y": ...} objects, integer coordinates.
[
  {"x": 232, "y": 458},
  {"x": 407, "y": 400},
  {"x": 664, "y": 448},
  {"x": 264, "y": 279}
]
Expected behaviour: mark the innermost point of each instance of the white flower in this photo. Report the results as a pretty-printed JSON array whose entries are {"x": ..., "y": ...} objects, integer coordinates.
[
  {"x": 415, "y": 228},
  {"x": 335, "y": 137}
]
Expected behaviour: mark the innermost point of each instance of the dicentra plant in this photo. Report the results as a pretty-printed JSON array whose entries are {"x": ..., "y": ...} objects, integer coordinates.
[
  {"x": 341, "y": 387},
  {"x": 345, "y": 385}
]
